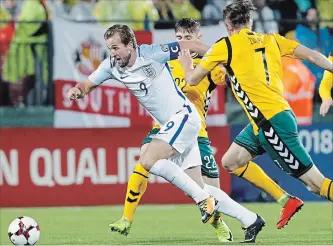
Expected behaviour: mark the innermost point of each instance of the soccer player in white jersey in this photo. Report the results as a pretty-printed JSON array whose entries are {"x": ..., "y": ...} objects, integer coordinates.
[{"x": 142, "y": 69}]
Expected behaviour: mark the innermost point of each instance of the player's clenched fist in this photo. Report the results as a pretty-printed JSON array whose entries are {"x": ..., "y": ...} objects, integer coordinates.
[
  {"x": 74, "y": 93},
  {"x": 185, "y": 59}
]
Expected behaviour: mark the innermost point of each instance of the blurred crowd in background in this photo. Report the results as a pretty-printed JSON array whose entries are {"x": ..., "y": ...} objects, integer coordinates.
[{"x": 25, "y": 49}]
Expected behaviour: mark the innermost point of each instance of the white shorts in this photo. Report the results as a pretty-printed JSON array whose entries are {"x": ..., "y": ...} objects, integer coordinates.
[
  {"x": 181, "y": 132},
  {"x": 189, "y": 158}
]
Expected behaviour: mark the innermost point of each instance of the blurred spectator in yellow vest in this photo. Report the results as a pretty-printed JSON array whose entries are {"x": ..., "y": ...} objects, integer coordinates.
[
  {"x": 166, "y": 17},
  {"x": 12, "y": 6},
  {"x": 29, "y": 39},
  {"x": 4, "y": 16},
  {"x": 6, "y": 34},
  {"x": 83, "y": 10},
  {"x": 325, "y": 10},
  {"x": 140, "y": 11},
  {"x": 184, "y": 8}
]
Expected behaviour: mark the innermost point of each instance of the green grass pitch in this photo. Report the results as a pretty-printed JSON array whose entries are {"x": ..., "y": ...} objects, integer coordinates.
[{"x": 169, "y": 224}]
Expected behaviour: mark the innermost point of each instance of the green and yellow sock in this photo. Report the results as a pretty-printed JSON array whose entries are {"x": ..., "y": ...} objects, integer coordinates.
[
  {"x": 256, "y": 176},
  {"x": 326, "y": 189}
]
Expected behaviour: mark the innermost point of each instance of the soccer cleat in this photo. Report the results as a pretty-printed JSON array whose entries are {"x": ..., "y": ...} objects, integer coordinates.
[
  {"x": 292, "y": 206},
  {"x": 253, "y": 230},
  {"x": 207, "y": 208},
  {"x": 122, "y": 226},
  {"x": 222, "y": 231}
]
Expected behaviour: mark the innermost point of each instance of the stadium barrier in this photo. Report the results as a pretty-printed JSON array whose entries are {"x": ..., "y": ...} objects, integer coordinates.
[{"x": 81, "y": 167}]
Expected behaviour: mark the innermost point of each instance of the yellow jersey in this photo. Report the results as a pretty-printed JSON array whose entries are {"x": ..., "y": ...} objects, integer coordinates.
[
  {"x": 199, "y": 94},
  {"x": 326, "y": 84},
  {"x": 254, "y": 67}
]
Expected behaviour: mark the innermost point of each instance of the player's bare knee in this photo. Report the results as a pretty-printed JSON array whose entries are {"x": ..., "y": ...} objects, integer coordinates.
[
  {"x": 232, "y": 162},
  {"x": 146, "y": 161},
  {"x": 143, "y": 149},
  {"x": 154, "y": 152},
  {"x": 228, "y": 163}
]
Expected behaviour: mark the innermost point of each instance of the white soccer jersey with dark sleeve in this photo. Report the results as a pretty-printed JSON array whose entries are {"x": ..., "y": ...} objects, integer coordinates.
[{"x": 149, "y": 79}]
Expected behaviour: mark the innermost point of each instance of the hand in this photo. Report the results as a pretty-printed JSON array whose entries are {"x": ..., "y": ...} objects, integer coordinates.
[
  {"x": 222, "y": 68},
  {"x": 325, "y": 106},
  {"x": 185, "y": 59},
  {"x": 74, "y": 93}
]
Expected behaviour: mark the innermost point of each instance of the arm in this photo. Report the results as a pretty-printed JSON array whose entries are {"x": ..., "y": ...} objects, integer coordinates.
[
  {"x": 314, "y": 57},
  {"x": 80, "y": 90},
  {"x": 291, "y": 47},
  {"x": 100, "y": 75},
  {"x": 85, "y": 88},
  {"x": 216, "y": 55},
  {"x": 166, "y": 52},
  {"x": 325, "y": 88},
  {"x": 192, "y": 76},
  {"x": 194, "y": 46}
]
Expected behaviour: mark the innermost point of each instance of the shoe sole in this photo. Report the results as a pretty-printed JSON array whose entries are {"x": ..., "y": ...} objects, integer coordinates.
[
  {"x": 296, "y": 210},
  {"x": 262, "y": 224},
  {"x": 124, "y": 232},
  {"x": 227, "y": 240}
]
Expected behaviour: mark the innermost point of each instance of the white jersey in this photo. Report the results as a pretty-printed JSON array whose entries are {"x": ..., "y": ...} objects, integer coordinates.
[{"x": 149, "y": 79}]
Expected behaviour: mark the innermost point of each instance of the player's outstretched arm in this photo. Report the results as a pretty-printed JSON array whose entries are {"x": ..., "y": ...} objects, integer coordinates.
[
  {"x": 101, "y": 74},
  {"x": 192, "y": 76},
  {"x": 314, "y": 57},
  {"x": 325, "y": 88},
  {"x": 80, "y": 90},
  {"x": 322, "y": 61},
  {"x": 194, "y": 46}
]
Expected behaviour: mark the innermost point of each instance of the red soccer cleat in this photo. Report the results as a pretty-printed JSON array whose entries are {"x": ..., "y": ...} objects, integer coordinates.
[{"x": 292, "y": 206}]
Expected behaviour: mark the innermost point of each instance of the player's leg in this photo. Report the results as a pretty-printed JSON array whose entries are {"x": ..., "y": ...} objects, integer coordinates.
[
  {"x": 317, "y": 183},
  {"x": 282, "y": 143},
  {"x": 210, "y": 175},
  {"x": 138, "y": 181},
  {"x": 155, "y": 159},
  {"x": 177, "y": 137},
  {"x": 193, "y": 167},
  {"x": 237, "y": 160},
  {"x": 136, "y": 187}
]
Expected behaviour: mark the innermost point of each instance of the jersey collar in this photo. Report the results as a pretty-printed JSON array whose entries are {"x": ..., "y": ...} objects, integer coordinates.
[
  {"x": 244, "y": 30},
  {"x": 136, "y": 61}
]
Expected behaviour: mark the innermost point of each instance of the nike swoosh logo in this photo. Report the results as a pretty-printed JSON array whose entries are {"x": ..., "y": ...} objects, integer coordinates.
[
  {"x": 124, "y": 76},
  {"x": 230, "y": 237},
  {"x": 162, "y": 133},
  {"x": 249, "y": 240}
]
